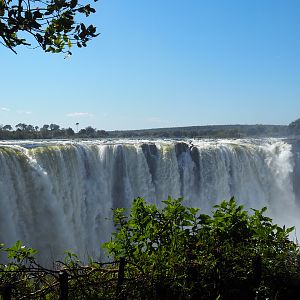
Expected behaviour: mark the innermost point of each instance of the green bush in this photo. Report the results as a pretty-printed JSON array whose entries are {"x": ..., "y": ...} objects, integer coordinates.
[
  {"x": 177, "y": 253},
  {"x": 173, "y": 252}
]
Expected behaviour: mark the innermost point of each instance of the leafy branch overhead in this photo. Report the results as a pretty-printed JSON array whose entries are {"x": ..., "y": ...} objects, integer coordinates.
[{"x": 51, "y": 24}]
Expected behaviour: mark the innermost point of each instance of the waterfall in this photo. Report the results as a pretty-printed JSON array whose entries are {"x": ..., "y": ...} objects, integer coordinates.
[{"x": 60, "y": 195}]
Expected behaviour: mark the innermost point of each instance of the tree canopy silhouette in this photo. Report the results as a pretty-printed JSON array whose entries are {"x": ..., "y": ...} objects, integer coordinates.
[{"x": 53, "y": 25}]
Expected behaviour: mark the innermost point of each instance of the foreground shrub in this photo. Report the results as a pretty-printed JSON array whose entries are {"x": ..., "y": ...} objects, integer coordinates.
[
  {"x": 177, "y": 253},
  {"x": 173, "y": 252}
]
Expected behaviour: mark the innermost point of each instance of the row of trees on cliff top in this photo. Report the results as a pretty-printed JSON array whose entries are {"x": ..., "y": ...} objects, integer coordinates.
[{"x": 24, "y": 131}]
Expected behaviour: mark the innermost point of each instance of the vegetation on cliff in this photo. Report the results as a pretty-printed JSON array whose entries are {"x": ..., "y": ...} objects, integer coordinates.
[
  {"x": 27, "y": 131},
  {"x": 52, "y": 131}
]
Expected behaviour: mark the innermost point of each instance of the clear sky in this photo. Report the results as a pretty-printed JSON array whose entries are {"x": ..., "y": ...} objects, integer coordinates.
[{"x": 164, "y": 63}]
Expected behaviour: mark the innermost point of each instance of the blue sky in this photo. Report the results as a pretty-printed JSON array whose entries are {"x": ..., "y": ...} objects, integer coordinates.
[{"x": 162, "y": 64}]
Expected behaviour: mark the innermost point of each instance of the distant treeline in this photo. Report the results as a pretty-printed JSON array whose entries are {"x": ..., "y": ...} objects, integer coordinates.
[
  {"x": 24, "y": 131},
  {"x": 213, "y": 131}
]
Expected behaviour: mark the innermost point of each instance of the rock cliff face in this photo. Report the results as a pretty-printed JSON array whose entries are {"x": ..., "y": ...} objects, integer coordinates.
[
  {"x": 296, "y": 171},
  {"x": 59, "y": 195}
]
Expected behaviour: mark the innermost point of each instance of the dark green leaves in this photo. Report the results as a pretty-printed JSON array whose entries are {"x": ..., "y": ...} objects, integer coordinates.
[
  {"x": 204, "y": 255},
  {"x": 20, "y": 253},
  {"x": 47, "y": 21}
]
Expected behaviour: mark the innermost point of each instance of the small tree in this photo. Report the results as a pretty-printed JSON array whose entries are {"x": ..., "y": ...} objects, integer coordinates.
[
  {"x": 54, "y": 127},
  {"x": 21, "y": 126},
  {"x": 30, "y": 128},
  {"x": 90, "y": 131},
  {"x": 69, "y": 131},
  {"x": 7, "y": 127},
  {"x": 45, "y": 127}
]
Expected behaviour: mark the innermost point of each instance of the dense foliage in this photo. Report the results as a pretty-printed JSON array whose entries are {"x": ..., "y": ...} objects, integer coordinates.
[
  {"x": 28, "y": 131},
  {"x": 23, "y": 278},
  {"x": 177, "y": 253},
  {"x": 51, "y": 24},
  {"x": 173, "y": 252},
  {"x": 23, "y": 130}
]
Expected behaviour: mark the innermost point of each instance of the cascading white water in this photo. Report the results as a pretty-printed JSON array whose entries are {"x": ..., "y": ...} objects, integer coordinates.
[{"x": 59, "y": 195}]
